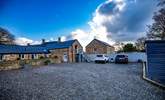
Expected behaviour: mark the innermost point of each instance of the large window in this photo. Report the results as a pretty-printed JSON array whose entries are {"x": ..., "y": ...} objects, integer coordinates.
[{"x": 76, "y": 49}]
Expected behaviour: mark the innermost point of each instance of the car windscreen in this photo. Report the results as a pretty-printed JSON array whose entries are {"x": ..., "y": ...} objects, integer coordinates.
[
  {"x": 99, "y": 56},
  {"x": 121, "y": 56}
]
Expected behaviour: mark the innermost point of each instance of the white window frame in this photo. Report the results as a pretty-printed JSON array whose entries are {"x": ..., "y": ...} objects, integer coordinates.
[
  {"x": 35, "y": 56},
  {"x": 22, "y": 56}
]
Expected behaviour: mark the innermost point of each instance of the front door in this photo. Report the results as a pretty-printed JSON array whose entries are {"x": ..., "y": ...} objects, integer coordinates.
[{"x": 65, "y": 57}]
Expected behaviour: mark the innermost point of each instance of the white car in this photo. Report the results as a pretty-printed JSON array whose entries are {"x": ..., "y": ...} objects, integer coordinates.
[{"x": 101, "y": 58}]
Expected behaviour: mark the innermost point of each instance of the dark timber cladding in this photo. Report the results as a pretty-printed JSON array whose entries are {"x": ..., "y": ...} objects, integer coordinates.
[{"x": 155, "y": 69}]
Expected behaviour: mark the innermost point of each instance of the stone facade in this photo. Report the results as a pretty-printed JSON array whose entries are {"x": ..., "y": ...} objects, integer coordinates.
[
  {"x": 98, "y": 47},
  {"x": 13, "y": 57},
  {"x": 67, "y": 54}
]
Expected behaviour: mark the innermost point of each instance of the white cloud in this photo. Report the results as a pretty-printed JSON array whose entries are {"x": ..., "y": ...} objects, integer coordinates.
[
  {"x": 83, "y": 37},
  {"x": 117, "y": 20},
  {"x": 25, "y": 41}
]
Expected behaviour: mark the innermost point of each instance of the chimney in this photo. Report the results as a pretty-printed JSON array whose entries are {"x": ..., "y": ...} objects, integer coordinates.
[
  {"x": 59, "y": 39},
  {"x": 28, "y": 44},
  {"x": 43, "y": 41}
]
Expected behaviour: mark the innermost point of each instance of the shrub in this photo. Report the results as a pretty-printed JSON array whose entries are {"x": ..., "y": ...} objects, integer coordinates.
[
  {"x": 41, "y": 57},
  {"x": 46, "y": 62}
]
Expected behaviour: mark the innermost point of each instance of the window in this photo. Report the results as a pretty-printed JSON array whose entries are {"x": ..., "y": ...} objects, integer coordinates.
[
  {"x": 21, "y": 56},
  {"x": 34, "y": 56},
  {"x": 95, "y": 50},
  {"x": 76, "y": 49},
  {"x": 1, "y": 57},
  {"x": 99, "y": 55}
]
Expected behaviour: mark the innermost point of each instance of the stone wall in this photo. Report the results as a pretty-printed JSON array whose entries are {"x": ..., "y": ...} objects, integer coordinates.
[
  {"x": 9, "y": 65},
  {"x": 13, "y": 57},
  {"x": 96, "y": 47}
]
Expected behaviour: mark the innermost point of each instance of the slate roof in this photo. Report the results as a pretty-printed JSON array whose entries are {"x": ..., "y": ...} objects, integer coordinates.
[
  {"x": 103, "y": 42},
  {"x": 58, "y": 45},
  {"x": 32, "y": 49},
  {"x": 17, "y": 49}
]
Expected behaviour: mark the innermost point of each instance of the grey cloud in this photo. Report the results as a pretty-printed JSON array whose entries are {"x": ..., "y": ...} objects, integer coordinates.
[
  {"x": 131, "y": 21},
  {"x": 108, "y": 8}
]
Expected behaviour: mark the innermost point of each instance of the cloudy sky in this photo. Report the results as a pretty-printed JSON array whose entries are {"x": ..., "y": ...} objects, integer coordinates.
[{"x": 107, "y": 20}]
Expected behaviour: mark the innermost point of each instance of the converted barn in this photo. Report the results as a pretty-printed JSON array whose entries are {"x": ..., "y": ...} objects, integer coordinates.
[
  {"x": 155, "y": 66},
  {"x": 64, "y": 51},
  {"x": 99, "y": 47}
]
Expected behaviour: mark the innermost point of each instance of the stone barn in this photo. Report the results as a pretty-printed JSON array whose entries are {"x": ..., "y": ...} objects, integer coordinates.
[
  {"x": 64, "y": 51},
  {"x": 99, "y": 47}
]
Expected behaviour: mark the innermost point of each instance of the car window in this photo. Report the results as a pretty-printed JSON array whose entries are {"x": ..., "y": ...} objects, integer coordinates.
[
  {"x": 99, "y": 55},
  {"x": 121, "y": 56}
]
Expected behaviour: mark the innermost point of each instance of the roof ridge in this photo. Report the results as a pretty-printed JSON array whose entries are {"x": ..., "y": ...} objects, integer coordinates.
[{"x": 105, "y": 43}]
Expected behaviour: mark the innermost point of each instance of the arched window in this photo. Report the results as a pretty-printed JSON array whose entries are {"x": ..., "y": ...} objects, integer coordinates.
[{"x": 76, "y": 49}]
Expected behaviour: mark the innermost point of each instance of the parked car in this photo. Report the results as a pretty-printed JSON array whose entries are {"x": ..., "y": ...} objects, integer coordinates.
[
  {"x": 121, "y": 59},
  {"x": 101, "y": 58}
]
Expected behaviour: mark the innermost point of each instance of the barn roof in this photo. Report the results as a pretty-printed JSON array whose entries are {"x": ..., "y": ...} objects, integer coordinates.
[
  {"x": 30, "y": 49},
  {"x": 58, "y": 45},
  {"x": 17, "y": 49},
  {"x": 104, "y": 43}
]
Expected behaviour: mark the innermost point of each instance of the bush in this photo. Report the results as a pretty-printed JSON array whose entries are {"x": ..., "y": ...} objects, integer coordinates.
[
  {"x": 46, "y": 62},
  {"x": 41, "y": 57}
]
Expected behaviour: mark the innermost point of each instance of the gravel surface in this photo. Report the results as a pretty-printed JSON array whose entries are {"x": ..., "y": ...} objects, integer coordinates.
[{"x": 80, "y": 81}]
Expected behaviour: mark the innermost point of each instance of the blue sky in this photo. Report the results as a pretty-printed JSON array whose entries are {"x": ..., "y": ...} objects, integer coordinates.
[
  {"x": 107, "y": 20},
  {"x": 39, "y": 18}
]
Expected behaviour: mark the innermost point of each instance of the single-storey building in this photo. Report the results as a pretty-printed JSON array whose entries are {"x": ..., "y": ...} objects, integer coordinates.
[
  {"x": 99, "y": 47},
  {"x": 66, "y": 51},
  {"x": 154, "y": 70},
  {"x": 16, "y": 52}
]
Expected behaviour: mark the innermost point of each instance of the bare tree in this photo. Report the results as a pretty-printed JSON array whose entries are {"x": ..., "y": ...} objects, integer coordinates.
[
  {"x": 6, "y": 37},
  {"x": 119, "y": 46},
  {"x": 161, "y": 3},
  {"x": 140, "y": 44},
  {"x": 157, "y": 29}
]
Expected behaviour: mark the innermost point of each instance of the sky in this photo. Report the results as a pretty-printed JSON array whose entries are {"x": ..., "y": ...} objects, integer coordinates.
[{"x": 108, "y": 20}]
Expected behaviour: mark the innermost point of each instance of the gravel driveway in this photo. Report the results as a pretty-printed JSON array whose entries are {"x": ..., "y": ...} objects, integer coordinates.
[{"x": 80, "y": 81}]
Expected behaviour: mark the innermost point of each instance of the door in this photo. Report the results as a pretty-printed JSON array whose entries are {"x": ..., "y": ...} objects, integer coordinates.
[
  {"x": 77, "y": 57},
  {"x": 65, "y": 57}
]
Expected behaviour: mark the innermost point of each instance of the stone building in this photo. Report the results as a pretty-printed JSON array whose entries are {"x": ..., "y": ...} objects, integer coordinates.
[
  {"x": 66, "y": 51},
  {"x": 16, "y": 52},
  {"x": 99, "y": 47}
]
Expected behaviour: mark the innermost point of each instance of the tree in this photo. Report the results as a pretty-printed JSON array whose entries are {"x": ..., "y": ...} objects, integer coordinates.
[
  {"x": 140, "y": 44},
  {"x": 161, "y": 3},
  {"x": 6, "y": 37},
  {"x": 129, "y": 47},
  {"x": 119, "y": 46},
  {"x": 157, "y": 29}
]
